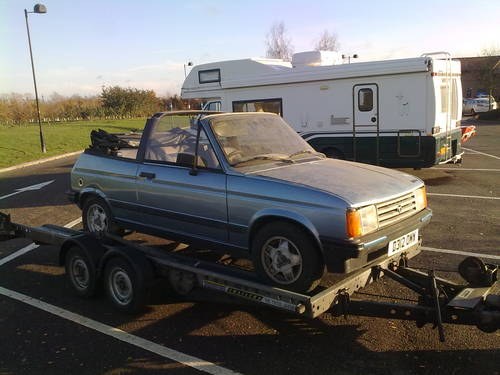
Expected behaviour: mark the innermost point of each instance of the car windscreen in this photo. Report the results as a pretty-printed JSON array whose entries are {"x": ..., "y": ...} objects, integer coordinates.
[{"x": 258, "y": 138}]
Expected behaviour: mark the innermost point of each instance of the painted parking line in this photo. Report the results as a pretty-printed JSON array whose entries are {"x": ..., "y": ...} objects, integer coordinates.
[
  {"x": 27, "y": 188},
  {"x": 465, "y": 253},
  {"x": 468, "y": 169},
  {"x": 171, "y": 354},
  {"x": 481, "y": 153},
  {"x": 463, "y": 196},
  {"x": 33, "y": 246}
]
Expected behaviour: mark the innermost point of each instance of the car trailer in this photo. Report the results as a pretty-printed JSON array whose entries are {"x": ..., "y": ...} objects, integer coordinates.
[{"x": 127, "y": 270}]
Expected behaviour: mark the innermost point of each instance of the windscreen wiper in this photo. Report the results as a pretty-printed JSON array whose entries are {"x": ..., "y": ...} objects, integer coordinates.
[
  {"x": 285, "y": 159},
  {"x": 305, "y": 152}
]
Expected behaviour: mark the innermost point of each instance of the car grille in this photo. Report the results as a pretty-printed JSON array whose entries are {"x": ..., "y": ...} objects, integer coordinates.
[{"x": 397, "y": 209}]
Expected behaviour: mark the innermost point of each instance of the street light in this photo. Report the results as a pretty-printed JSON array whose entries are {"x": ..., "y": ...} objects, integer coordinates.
[
  {"x": 190, "y": 63},
  {"x": 38, "y": 8},
  {"x": 348, "y": 57}
]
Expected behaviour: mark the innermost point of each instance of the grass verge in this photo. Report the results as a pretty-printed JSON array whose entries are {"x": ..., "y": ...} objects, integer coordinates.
[{"x": 21, "y": 143}]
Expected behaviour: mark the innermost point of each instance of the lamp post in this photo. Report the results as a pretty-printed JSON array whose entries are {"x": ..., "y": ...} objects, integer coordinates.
[
  {"x": 348, "y": 57},
  {"x": 38, "y": 8},
  {"x": 190, "y": 63}
]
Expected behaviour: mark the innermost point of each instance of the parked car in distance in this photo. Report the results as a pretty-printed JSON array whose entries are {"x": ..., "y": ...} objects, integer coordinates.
[
  {"x": 248, "y": 184},
  {"x": 477, "y": 105}
]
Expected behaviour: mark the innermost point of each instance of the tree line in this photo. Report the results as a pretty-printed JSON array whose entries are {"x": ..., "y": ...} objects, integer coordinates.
[{"x": 112, "y": 103}]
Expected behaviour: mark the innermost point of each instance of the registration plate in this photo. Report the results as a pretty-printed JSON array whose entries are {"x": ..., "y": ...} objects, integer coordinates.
[{"x": 403, "y": 242}]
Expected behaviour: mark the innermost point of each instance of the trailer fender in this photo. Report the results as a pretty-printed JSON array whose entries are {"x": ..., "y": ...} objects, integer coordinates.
[
  {"x": 137, "y": 260},
  {"x": 92, "y": 247}
]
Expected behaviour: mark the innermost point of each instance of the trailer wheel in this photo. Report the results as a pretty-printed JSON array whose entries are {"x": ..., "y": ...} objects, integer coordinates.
[
  {"x": 285, "y": 256},
  {"x": 81, "y": 272},
  {"x": 124, "y": 285},
  {"x": 97, "y": 217}
]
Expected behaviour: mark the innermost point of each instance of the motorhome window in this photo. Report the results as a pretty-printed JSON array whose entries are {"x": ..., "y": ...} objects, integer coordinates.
[
  {"x": 213, "y": 106},
  {"x": 209, "y": 76},
  {"x": 365, "y": 100},
  {"x": 454, "y": 100},
  {"x": 444, "y": 98},
  {"x": 260, "y": 105}
]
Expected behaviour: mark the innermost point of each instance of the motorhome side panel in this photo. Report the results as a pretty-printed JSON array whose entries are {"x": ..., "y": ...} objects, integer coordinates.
[
  {"x": 323, "y": 113},
  {"x": 411, "y": 126}
]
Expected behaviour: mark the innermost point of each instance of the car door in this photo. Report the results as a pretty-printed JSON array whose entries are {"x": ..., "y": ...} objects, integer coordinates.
[{"x": 174, "y": 198}]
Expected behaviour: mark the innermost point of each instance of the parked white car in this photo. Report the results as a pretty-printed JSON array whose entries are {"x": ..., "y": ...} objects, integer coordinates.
[{"x": 476, "y": 105}]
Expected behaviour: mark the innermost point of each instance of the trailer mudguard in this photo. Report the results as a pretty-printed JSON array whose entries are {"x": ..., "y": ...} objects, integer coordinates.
[{"x": 89, "y": 244}]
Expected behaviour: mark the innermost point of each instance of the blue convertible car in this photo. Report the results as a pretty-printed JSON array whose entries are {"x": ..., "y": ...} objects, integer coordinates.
[{"x": 248, "y": 184}]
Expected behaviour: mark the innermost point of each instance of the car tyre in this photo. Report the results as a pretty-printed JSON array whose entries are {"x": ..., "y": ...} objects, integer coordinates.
[
  {"x": 81, "y": 272},
  {"x": 97, "y": 218},
  {"x": 284, "y": 255},
  {"x": 125, "y": 286}
]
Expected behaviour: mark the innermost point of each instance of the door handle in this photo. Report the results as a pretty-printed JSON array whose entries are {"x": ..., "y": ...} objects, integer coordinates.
[
  {"x": 147, "y": 175},
  {"x": 374, "y": 119}
]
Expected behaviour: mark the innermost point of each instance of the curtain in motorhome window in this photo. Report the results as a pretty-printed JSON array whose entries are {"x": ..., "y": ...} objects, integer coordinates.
[
  {"x": 260, "y": 105},
  {"x": 449, "y": 92}
]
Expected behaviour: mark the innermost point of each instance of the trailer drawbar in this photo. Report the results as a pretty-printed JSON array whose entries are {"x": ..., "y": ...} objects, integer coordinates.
[{"x": 127, "y": 270}]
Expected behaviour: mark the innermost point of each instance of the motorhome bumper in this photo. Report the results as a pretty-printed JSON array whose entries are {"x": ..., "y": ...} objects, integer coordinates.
[{"x": 349, "y": 255}]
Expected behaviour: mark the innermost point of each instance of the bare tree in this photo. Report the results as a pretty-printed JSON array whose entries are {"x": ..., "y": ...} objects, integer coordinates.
[
  {"x": 279, "y": 45},
  {"x": 327, "y": 42}
]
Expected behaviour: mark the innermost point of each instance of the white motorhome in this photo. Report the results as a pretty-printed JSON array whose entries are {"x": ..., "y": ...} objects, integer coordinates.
[{"x": 396, "y": 113}]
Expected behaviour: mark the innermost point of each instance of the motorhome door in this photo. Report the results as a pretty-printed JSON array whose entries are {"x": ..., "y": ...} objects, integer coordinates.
[
  {"x": 366, "y": 105},
  {"x": 365, "y": 126}
]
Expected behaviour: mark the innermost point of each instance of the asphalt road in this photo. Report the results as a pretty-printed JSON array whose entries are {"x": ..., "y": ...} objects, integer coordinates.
[{"x": 246, "y": 338}]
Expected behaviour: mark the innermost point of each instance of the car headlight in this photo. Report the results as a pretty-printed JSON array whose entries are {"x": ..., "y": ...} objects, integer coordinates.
[
  {"x": 361, "y": 221},
  {"x": 420, "y": 199}
]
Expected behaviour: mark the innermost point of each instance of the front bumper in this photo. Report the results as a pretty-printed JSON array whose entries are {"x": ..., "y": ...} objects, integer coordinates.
[{"x": 345, "y": 256}]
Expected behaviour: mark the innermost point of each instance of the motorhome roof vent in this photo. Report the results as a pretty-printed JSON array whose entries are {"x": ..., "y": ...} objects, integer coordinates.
[{"x": 316, "y": 58}]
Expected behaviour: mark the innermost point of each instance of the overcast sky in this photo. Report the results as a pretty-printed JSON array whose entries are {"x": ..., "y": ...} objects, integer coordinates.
[{"x": 80, "y": 45}]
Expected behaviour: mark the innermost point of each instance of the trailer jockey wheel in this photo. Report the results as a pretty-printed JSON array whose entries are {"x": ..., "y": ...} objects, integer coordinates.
[
  {"x": 476, "y": 273},
  {"x": 81, "y": 272}
]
